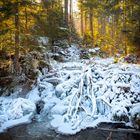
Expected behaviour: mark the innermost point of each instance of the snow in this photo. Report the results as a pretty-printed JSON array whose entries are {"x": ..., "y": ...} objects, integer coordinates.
[
  {"x": 11, "y": 123},
  {"x": 65, "y": 127},
  {"x": 34, "y": 95},
  {"x": 136, "y": 109},
  {"x": 105, "y": 61},
  {"x": 74, "y": 53},
  {"x": 109, "y": 94},
  {"x": 78, "y": 94},
  {"x": 62, "y": 28},
  {"x": 15, "y": 112},
  {"x": 43, "y": 40},
  {"x": 94, "y": 50}
]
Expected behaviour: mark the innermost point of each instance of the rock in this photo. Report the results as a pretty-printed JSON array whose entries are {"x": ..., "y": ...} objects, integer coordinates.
[
  {"x": 59, "y": 109},
  {"x": 61, "y": 43},
  {"x": 122, "y": 117},
  {"x": 58, "y": 57},
  {"x": 17, "y": 108},
  {"x": 135, "y": 115},
  {"x": 32, "y": 74},
  {"x": 5, "y": 81},
  {"x": 54, "y": 81},
  {"x": 84, "y": 54},
  {"x": 120, "y": 114},
  {"x": 39, "y": 106},
  {"x": 59, "y": 90},
  {"x": 130, "y": 58}
]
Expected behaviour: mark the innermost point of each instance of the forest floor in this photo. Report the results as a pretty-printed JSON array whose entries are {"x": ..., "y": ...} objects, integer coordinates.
[{"x": 77, "y": 94}]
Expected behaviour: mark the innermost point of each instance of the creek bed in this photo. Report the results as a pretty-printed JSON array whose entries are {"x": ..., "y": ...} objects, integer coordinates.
[{"x": 40, "y": 131}]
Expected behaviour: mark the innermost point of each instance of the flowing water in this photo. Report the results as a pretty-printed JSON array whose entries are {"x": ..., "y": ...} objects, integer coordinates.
[{"x": 41, "y": 131}]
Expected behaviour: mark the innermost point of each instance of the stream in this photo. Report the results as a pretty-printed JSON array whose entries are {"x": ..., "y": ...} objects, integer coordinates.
[{"x": 40, "y": 131}]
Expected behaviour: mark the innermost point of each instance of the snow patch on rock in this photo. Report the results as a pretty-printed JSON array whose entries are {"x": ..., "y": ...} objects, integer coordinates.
[{"x": 15, "y": 111}]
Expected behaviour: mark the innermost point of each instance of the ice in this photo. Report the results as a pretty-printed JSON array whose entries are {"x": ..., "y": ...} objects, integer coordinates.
[
  {"x": 33, "y": 95},
  {"x": 106, "y": 61},
  {"x": 65, "y": 127},
  {"x": 103, "y": 90},
  {"x": 11, "y": 123},
  {"x": 43, "y": 40},
  {"x": 119, "y": 111},
  {"x": 74, "y": 53},
  {"x": 59, "y": 109},
  {"x": 15, "y": 111},
  {"x": 79, "y": 94},
  {"x": 136, "y": 109},
  {"x": 94, "y": 50}
]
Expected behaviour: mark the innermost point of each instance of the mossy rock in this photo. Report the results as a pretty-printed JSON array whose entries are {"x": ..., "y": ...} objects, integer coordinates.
[
  {"x": 116, "y": 60},
  {"x": 6, "y": 81},
  {"x": 43, "y": 64},
  {"x": 135, "y": 115},
  {"x": 120, "y": 114},
  {"x": 84, "y": 55},
  {"x": 136, "y": 121},
  {"x": 122, "y": 117},
  {"x": 58, "y": 58},
  {"x": 33, "y": 75}
]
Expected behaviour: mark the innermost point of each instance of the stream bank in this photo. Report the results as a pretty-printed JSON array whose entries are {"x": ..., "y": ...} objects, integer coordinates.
[{"x": 103, "y": 132}]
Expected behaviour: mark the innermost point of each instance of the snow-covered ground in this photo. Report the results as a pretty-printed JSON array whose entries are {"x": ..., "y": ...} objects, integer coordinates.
[
  {"x": 79, "y": 94},
  {"x": 15, "y": 111},
  {"x": 100, "y": 91}
]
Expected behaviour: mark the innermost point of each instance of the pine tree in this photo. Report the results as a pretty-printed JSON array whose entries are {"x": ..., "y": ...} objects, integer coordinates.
[{"x": 11, "y": 12}]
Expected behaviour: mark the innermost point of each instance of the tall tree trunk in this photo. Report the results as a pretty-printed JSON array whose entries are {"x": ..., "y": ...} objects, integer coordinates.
[
  {"x": 91, "y": 24},
  {"x": 16, "y": 59},
  {"x": 124, "y": 25},
  {"x": 26, "y": 29},
  {"x": 82, "y": 24},
  {"x": 66, "y": 12},
  {"x": 71, "y": 11},
  {"x": 85, "y": 22},
  {"x": 103, "y": 25},
  {"x": 26, "y": 20},
  {"x": 99, "y": 25},
  {"x": 70, "y": 21},
  {"x": 113, "y": 27}
]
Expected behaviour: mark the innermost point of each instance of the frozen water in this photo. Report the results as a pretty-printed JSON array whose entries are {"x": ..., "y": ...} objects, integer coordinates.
[
  {"x": 79, "y": 94},
  {"x": 15, "y": 111}
]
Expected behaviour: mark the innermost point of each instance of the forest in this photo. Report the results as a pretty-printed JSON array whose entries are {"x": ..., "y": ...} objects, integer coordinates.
[
  {"x": 113, "y": 26},
  {"x": 69, "y": 65}
]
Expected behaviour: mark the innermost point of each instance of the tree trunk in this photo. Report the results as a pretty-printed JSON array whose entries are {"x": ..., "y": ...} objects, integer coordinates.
[
  {"x": 113, "y": 28},
  {"x": 91, "y": 24},
  {"x": 26, "y": 20},
  {"x": 66, "y": 13},
  {"x": 71, "y": 11},
  {"x": 103, "y": 25},
  {"x": 82, "y": 24},
  {"x": 99, "y": 25},
  {"x": 124, "y": 26},
  {"x": 86, "y": 26},
  {"x": 16, "y": 59},
  {"x": 70, "y": 24},
  {"x": 26, "y": 29}
]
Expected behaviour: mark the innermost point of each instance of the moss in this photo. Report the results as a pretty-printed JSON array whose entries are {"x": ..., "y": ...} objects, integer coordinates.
[
  {"x": 115, "y": 60},
  {"x": 136, "y": 120},
  {"x": 58, "y": 58},
  {"x": 43, "y": 64},
  {"x": 122, "y": 117},
  {"x": 33, "y": 75}
]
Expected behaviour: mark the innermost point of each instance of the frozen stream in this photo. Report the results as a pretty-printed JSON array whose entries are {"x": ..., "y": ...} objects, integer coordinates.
[
  {"x": 39, "y": 131},
  {"x": 74, "y": 98}
]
